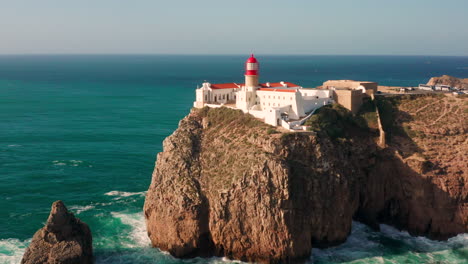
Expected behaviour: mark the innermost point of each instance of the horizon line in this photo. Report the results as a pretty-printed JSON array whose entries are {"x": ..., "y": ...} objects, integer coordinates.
[{"x": 221, "y": 54}]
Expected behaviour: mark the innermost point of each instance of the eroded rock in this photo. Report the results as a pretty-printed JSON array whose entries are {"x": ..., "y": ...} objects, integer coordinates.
[
  {"x": 64, "y": 239},
  {"x": 224, "y": 187}
]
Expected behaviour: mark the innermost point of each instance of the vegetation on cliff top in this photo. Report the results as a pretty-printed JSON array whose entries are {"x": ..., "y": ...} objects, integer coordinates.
[
  {"x": 427, "y": 128},
  {"x": 338, "y": 122},
  {"x": 231, "y": 137},
  {"x": 393, "y": 119},
  {"x": 224, "y": 115}
]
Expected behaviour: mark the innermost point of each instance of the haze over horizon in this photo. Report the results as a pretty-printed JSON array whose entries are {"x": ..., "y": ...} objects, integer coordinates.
[{"x": 365, "y": 27}]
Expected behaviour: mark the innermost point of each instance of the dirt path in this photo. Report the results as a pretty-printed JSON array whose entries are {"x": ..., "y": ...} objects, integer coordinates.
[{"x": 447, "y": 109}]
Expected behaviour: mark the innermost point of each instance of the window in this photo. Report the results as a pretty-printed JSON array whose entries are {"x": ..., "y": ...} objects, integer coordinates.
[
  {"x": 206, "y": 97},
  {"x": 283, "y": 97},
  {"x": 252, "y": 66}
]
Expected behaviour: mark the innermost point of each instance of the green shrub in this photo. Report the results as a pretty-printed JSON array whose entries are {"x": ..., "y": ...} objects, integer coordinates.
[
  {"x": 388, "y": 112},
  {"x": 409, "y": 132},
  {"x": 333, "y": 120},
  {"x": 271, "y": 130},
  {"x": 224, "y": 116},
  {"x": 367, "y": 116}
]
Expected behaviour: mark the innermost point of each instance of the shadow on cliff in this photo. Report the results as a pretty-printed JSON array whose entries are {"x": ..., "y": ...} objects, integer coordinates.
[
  {"x": 362, "y": 181},
  {"x": 398, "y": 190},
  {"x": 322, "y": 181},
  {"x": 392, "y": 183}
]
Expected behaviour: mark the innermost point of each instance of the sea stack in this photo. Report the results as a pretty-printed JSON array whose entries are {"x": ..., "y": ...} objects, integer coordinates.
[{"x": 63, "y": 239}]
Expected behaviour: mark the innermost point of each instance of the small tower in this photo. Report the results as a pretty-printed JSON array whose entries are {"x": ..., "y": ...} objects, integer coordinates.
[
  {"x": 251, "y": 72},
  {"x": 246, "y": 95}
]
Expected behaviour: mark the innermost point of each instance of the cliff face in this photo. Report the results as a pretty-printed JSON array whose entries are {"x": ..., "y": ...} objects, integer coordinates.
[
  {"x": 228, "y": 185},
  {"x": 423, "y": 183},
  {"x": 63, "y": 239},
  {"x": 449, "y": 80}
]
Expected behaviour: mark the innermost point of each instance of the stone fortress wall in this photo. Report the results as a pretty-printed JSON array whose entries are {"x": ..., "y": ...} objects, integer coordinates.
[{"x": 350, "y": 93}]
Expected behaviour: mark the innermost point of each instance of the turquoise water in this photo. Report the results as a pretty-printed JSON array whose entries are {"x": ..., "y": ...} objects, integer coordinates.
[{"x": 86, "y": 130}]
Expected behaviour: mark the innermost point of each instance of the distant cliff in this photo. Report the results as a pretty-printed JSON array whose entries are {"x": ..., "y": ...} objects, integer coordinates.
[
  {"x": 449, "y": 80},
  {"x": 229, "y": 185}
]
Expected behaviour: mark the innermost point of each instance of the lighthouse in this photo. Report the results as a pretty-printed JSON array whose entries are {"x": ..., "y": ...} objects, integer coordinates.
[
  {"x": 246, "y": 96},
  {"x": 251, "y": 72}
]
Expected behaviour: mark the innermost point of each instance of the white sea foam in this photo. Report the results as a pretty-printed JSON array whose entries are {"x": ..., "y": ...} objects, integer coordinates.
[
  {"x": 12, "y": 250},
  {"x": 14, "y": 145},
  {"x": 73, "y": 163},
  {"x": 58, "y": 163},
  {"x": 423, "y": 243},
  {"x": 138, "y": 234},
  {"x": 367, "y": 246},
  {"x": 79, "y": 209},
  {"x": 125, "y": 194}
]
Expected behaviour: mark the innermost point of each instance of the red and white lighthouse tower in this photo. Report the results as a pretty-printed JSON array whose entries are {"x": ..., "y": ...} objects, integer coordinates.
[{"x": 251, "y": 72}]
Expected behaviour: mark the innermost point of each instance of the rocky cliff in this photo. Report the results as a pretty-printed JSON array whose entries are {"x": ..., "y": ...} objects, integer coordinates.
[
  {"x": 229, "y": 185},
  {"x": 63, "y": 239},
  {"x": 449, "y": 80}
]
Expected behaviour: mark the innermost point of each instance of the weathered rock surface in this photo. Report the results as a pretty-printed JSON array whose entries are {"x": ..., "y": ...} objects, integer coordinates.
[
  {"x": 449, "y": 80},
  {"x": 224, "y": 186},
  {"x": 63, "y": 239}
]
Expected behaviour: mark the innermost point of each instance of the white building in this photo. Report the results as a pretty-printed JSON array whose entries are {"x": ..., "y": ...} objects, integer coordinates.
[
  {"x": 281, "y": 103},
  {"x": 426, "y": 87}
]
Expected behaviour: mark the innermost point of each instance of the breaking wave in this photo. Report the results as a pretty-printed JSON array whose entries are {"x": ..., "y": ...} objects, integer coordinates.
[
  {"x": 12, "y": 250},
  {"x": 124, "y": 240},
  {"x": 125, "y": 194},
  {"x": 77, "y": 209},
  {"x": 137, "y": 235},
  {"x": 392, "y": 246}
]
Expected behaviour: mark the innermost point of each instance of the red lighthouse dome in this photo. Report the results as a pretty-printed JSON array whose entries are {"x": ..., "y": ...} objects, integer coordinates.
[{"x": 251, "y": 66}]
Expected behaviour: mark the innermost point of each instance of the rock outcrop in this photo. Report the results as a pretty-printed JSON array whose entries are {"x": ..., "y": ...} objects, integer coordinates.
[
  {"x": 449, "y": 80},
  {"x": 64, "y": 239},
  {"x": 229, "y": 185}
]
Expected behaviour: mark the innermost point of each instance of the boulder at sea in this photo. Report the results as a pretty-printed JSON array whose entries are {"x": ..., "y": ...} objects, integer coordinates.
[{"x": 63, "y": 239}]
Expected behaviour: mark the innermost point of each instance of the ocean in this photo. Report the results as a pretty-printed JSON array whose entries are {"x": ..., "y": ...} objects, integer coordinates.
[{"x": 85, "y": 129}]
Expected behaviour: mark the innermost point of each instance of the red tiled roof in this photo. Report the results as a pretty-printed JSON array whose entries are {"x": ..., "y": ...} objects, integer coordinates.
[
  {"x": 224, "y": 85},
  {"x": 276, "y": 90},
  {"x": 277, "y": 84},
  {"x": 262, "y": 85}
]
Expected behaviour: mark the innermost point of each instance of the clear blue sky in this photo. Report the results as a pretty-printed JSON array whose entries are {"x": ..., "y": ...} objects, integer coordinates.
[{"x": 399, "y": 27}]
